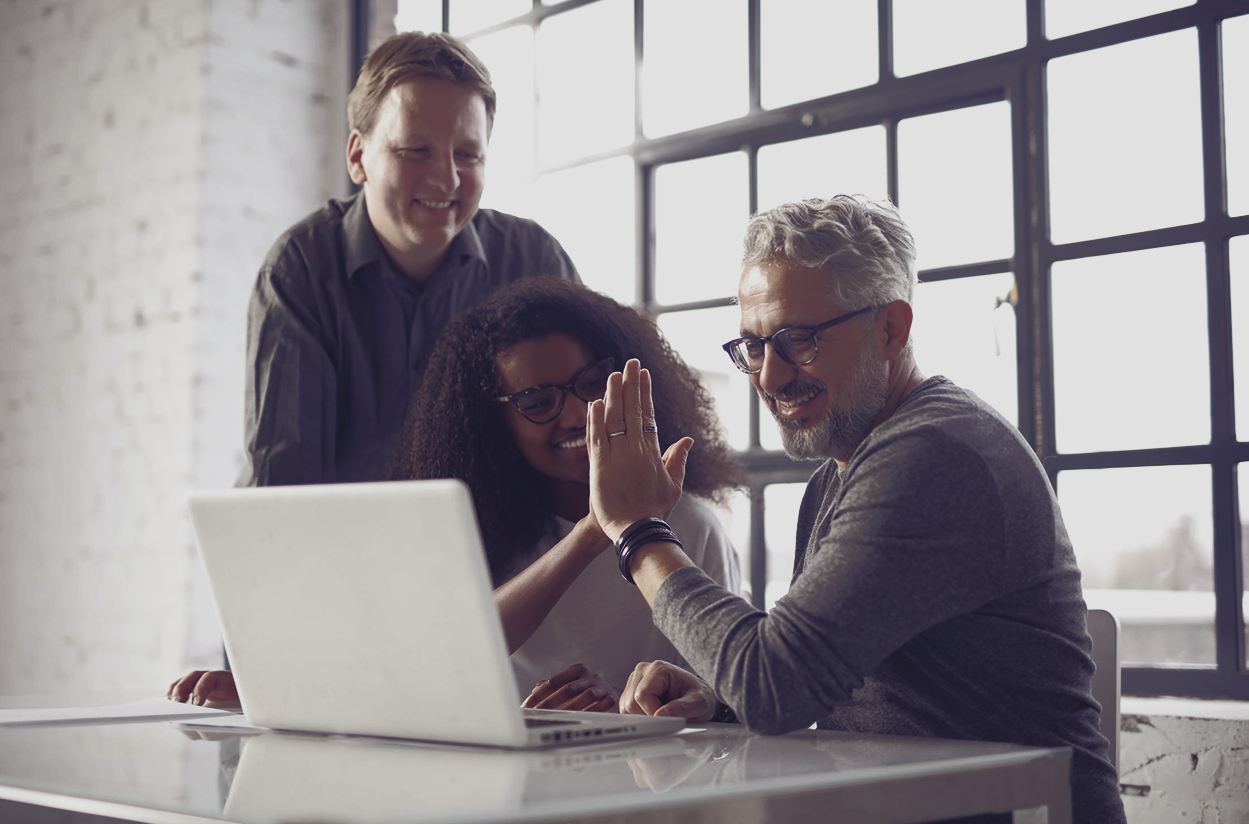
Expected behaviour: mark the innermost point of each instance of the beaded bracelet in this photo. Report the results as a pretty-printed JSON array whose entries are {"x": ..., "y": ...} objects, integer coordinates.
[{"x": 639, "y": 533}]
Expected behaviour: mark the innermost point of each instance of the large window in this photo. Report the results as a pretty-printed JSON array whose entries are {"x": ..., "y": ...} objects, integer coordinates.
[{"x": 1077, "y": 178}]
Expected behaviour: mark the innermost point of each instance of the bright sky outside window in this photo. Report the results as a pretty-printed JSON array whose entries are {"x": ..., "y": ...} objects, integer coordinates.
[
  {"x": 954, "y": 185},
  {"x": 1064, "y": 17},
  {"x": 781, "y": 503},
  {"x": 797, "y": 38},
  {"x": 508, "y": 55},
  {"x": 694, "y": 66},
  {"x": 969, "y": 30},
  {"x": 585, "y": 81},
  {"x": 1131, "y": 350},
  {"x": 473, "y": 15},
  {"x": 1239, "y": 249},
  {"x": 701, "y": 209},
  {"x": 961, "y": 331},
  {"x": 1125, "y": 138},
  {"x": 1236, "y": 112},
  {"x": 1143, "y": 538},
  {"x": 696, "y": 335},
  {"x": 418, "y": 15},
  {"x": 841, "y": 163},
  {"x": 591, "y": 210}
]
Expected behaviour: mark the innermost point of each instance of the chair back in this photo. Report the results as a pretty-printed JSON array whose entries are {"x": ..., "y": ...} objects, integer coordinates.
[{"x": 1104, "y": 630}]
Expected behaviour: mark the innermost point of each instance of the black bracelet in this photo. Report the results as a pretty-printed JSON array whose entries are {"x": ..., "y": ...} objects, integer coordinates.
[{"x": 639, "y": 533}]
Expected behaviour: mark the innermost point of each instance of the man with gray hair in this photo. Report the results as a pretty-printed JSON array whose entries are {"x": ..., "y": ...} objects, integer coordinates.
[{"x": 935, "y": 590}]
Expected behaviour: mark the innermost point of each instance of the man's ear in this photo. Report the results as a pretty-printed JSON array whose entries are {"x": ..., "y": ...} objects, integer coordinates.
[
  {"x": 896, "y": 317},
  {"x": 355, "y": 157}
]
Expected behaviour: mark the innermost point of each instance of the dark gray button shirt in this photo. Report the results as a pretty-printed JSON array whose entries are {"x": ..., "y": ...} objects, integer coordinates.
[{"x": 337, "y": 339}]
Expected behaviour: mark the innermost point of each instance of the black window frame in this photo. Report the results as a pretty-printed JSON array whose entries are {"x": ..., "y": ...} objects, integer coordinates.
[{"x": 1017, "y": 77}]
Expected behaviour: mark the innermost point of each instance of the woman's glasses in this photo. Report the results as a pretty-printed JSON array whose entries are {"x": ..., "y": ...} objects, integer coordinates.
[
  {"x": 798, "y": 345},
  {"x": 541, "y": 404}
]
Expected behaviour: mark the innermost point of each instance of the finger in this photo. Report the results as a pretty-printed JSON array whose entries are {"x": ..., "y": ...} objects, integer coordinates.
[
  {"x": 648, "y": 404},
  {"x": 596, "y": 423},
  {"x": 629, "y": 705},
  {"x": 544, "y": 688},
  {"x": 691, "y": 706},
  {"x": 565, "y": 694},
  {"x": 632, "y": 385},
  {"x": 217, "y": 685},
  {"x": 589, "y": 700},
  {"x": 613, "y": 399},
  {"x": 180, "y": 690},
  {"x": 675, "y": 459}
]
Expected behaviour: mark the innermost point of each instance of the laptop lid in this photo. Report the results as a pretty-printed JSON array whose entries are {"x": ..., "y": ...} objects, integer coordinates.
[{"x": 366, "y": 609}]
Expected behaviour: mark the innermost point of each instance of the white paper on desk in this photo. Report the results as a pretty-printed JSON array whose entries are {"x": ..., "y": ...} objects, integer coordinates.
[
  {"x": 146, "y": 709},
  {"x": 233, "y": 721}
]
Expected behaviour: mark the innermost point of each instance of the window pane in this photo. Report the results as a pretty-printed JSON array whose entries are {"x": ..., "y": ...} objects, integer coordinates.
[
  {"x": 954, "y": 185},
  {"x": 585, "y": 80},
  {"x": 600, "y": 241},
  {"x": 682, "y": 89},
  {"x": 1064, "y": 17},
  {"x": 735, "y": 517},
  {"x": 842, "y": 163},
  {"x": 1131, "y": 354},
  {"x": 1239, "y": 249},
  {"x": 410, "y": 15},
  {"x": 1125, "y": 138},
  {"x": 780, "y": 528},
  {"x": 1242, "y": 472},
  {"x": 1000, "y": 26},
  {"x": 1236, "y": 112},
  {"x": 796, "y": 38},
  {"x": 696, "y": 336},
  {"x": 473, "y": 15},
  {"x": 509, "y": 161},
  {"x": 965, "y": 330},
  {"x": 1143, "y": 538},
  {"x": 701, "y": 207}
]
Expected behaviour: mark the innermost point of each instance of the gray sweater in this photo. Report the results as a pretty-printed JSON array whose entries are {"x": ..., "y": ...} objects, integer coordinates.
[{"x": 935, "y": 593}]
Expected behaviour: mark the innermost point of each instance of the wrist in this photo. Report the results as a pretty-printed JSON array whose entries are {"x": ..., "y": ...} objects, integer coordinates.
[{"x": 637, "y": 535}]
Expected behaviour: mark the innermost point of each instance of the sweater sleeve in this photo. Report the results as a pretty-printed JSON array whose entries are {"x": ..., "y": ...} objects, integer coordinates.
[{"x": 910, "y": 543}]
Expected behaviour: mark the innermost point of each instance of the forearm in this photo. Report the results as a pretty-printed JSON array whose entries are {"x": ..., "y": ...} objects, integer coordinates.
[
  {"x": 652, "y": 563},
  {"x": 526, "y": 600}
]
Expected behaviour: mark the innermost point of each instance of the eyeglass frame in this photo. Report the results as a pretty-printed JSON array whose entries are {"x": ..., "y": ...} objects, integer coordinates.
[
  {"x": 564, "y": 389},
  {"x": 813, "y": 331}
]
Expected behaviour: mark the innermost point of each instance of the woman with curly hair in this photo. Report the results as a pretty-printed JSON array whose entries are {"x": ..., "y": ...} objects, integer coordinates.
[{"x": 503, "y": 407}]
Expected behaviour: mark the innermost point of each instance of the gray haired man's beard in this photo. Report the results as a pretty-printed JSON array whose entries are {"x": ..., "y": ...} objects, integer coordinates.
[{"x": 847, "y": 422}]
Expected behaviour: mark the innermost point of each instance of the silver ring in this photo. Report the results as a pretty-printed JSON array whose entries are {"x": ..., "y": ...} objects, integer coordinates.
[
  {"x": 650, "y": 427},
  {"x": 617, "y": 434}
]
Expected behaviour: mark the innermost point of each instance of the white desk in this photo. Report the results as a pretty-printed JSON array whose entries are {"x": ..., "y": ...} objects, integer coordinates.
[{"x": 157, "y": 773}]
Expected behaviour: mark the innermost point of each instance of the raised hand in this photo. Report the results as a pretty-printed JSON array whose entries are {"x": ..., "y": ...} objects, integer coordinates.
[{"x": 629, "y": 479}]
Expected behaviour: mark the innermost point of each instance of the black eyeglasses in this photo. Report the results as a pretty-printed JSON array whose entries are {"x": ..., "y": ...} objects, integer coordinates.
[
  {"x": 798, "y": 345},
  {"x": 541, "y": 404}
]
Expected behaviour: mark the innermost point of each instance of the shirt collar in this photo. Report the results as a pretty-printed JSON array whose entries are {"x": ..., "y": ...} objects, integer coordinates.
[{"x": 364, "y": 248}]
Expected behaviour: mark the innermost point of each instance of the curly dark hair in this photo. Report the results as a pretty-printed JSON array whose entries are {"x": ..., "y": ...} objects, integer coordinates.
[{"x": 454, "y": 429}]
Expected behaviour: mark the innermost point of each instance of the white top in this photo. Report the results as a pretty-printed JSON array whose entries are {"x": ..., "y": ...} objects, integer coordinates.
[{"x": 604, "y": 622}]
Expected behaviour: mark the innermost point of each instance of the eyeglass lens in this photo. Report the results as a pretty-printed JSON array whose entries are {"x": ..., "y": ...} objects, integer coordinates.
[
  {"x": 796, "y": 346},
  {"x": 543, "y": 404}
]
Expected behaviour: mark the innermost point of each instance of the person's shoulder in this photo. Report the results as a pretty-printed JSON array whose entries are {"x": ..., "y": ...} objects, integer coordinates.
[
  {"x": 308, "y": 240},
  {"x": 492, "y": 220}
]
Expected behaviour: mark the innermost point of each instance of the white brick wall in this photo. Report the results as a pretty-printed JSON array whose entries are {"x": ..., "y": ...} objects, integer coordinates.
[{"x": 155, "y": 150}]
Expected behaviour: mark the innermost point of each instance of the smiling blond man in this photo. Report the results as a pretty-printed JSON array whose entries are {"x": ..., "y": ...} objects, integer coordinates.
[{"x": 351, "y": 299}]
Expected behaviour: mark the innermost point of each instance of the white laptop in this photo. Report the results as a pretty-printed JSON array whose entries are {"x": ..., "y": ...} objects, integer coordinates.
[{"x": 367, "y": 609}]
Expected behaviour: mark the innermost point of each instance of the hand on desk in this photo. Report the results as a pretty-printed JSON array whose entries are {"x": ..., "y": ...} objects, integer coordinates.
[
  {"x": 660, "y": 688},
  {"x": 573, "y": 688},
  {"x": 204, "y": 687}
]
